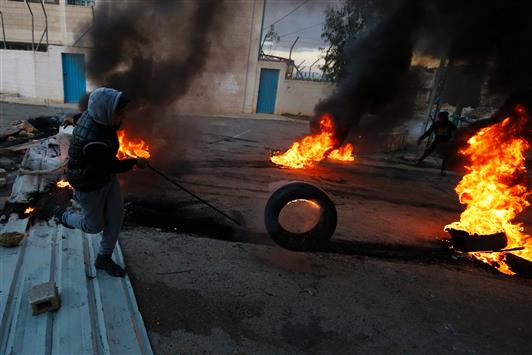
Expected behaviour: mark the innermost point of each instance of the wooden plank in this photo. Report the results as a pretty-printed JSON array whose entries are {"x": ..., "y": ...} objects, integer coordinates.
[
  {"x": 22, "y": 146},
  {"x": 72, "y": 331},
  {"x": 30, "y": 334},
  {"x": 11, "y": 131},
  {"x": 14, "y": 230}
]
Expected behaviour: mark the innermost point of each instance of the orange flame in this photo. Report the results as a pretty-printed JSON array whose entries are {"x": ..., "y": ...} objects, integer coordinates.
[
  {"x": 494, "y": 189},
  {"x": 63, "y": 184},
  {"x": 344, "y": 153},
  {"x": 314, "y": 148},
  {"x": 131, "y": 148},
  {"x": 29, "y": 210}
]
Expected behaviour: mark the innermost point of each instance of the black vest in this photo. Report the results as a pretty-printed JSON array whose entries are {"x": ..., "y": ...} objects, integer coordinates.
[{"x": 82, "y": 174}]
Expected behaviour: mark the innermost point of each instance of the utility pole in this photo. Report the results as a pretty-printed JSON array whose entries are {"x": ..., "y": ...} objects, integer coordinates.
[{"x": 262, "y": 28}]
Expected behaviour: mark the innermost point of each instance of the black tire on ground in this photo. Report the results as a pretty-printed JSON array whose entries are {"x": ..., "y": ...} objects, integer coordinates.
[{"x": 314, "y": 239}]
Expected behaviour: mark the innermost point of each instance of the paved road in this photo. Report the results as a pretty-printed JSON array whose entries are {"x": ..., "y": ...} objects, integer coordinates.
[
  {"x": 378, "y": 203},
  {"x": 385, "y": 285}
]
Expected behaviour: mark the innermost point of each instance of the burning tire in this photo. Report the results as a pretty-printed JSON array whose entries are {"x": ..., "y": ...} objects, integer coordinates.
[
  {"x": 463, "y": 241},
  {"x": 315, "y": 237}
]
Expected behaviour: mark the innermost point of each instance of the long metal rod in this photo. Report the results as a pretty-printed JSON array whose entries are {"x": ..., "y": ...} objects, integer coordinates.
[
  {"x": 173, "y": 182},
  {"x": 292, "y": 47},
  {"x": 32, "y": 27},
  {"x": 3, "y": 30},
  {"x": 82, "y": 35},
  {"x": 310, "y": 68},
  {"x": 87, "y": 30},
  {"x": 45, "y": 26},
  {"x": 261, "y": 29}
]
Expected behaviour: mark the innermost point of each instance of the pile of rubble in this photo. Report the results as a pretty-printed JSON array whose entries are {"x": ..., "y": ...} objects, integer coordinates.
[
  {"x": 19, "y": 136},
  {"x": 44, "y": 162},
  {"x": 23, "y": 131}
]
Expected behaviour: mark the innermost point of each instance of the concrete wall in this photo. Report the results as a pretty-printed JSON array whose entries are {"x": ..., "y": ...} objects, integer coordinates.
[
  {"x": 228, "y": 81},
  {"x": 225, "y": 86},
  {"x": 34, "y": 74},
  {"x": 39, "y": 74},
  {"x": 296, "y": 97},
  {"x": 17, "y": 72},
  {"x": 64, "y": 21}
]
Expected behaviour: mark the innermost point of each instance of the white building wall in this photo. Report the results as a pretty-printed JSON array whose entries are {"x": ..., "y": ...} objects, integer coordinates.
[
  {"x": 17, "y": 73},
  {"x": 296, "y": 97},
  {"x": 49, "y": 75},
  {"x": 225, "y": 86},
  {"x": 35, "y": 74},
  {"x": 299, "y": 97},
  {"x": 227, "y": 82}
]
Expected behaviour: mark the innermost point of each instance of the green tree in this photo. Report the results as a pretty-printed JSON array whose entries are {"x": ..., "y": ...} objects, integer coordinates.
[{"x": 343, "y": 23}]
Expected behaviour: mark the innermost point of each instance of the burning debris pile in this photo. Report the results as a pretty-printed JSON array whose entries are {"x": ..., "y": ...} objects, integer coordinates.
[
  {"x": 131, "y": 148},
  {"x": 314, "y": 148},
  {"x": 377, "y": 92},
  {"x": 379, "y": 89},
  {"x": 63, "y": 184},
  {"x": 495, "y": 189}
]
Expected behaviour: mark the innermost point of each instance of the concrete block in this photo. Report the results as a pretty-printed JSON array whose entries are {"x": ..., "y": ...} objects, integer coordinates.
[{"x": 44, "y": 298}]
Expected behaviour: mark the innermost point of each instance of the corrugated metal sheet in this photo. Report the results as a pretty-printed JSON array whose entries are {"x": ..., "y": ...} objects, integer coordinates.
[{"x": 98, "y": 314}]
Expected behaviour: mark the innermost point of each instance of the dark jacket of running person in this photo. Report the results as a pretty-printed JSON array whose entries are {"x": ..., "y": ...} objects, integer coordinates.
[{"x": 443, "y": 130}]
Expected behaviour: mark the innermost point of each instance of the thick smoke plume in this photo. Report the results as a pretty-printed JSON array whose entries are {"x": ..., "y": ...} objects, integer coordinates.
[
  {"x": 152, "y": 50},
  {"x": 486, "y": 38}
]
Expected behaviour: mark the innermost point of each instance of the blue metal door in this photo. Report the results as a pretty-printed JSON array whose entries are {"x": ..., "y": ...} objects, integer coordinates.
[
  {"x": 74, "y": 82},
  {"x": 269, "y": 78}
]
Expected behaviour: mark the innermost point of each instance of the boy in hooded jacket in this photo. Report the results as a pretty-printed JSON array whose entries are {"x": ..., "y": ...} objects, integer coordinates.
[{"x": 92, "y": 169}]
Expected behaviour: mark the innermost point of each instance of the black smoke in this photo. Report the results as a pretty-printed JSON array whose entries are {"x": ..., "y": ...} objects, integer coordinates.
[
  {"x": 152, "y": 50},
  {"x": 373, "y": 79},
  {"x": 486, "y": 38}
]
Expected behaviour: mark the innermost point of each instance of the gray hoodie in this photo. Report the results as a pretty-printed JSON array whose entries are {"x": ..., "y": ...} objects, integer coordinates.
[
  {"x": 94, "y": 144},
  {"x": 102, "y": 105}
]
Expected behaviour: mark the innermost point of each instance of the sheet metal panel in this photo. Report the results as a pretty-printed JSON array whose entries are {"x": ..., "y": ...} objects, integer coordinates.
[
  {"x": 78, "y": 337},
  {"x": 98, "y": 315}
]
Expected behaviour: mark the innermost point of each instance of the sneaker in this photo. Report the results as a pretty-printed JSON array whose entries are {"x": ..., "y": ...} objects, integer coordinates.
[
  {"x": 58, "y": 215},
  {"x": 105, "y": 262}
]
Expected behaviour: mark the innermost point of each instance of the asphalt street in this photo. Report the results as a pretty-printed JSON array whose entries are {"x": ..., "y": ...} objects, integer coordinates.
[{"x": 387, "y": 282}]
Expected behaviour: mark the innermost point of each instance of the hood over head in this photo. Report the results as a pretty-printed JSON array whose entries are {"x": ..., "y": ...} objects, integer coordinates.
[{"x": 102, "y": 106}]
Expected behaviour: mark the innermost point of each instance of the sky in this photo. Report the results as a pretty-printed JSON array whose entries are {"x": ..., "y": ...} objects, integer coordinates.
[{"x": 306, "y": 22}]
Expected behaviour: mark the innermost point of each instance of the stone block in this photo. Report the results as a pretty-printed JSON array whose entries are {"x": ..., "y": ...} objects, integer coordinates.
[{"x": 44, "y": 298}]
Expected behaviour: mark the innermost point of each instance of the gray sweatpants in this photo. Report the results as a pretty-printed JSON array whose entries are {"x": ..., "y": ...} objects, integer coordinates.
[{"x": 103, "y": 210}]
